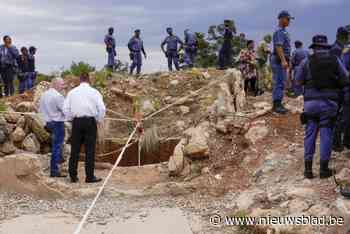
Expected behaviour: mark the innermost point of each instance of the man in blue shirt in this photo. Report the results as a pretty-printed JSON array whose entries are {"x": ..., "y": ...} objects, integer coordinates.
[
  {"x": 341, "y": 41},
  {"x": 324, "y": 78},
  {"x": 191, "y": 46},
  {"x": 110, "y": 48},
  {"x": 8, "y": 63},
  {"x": 225, "y": 53},
  {"x": 280, "y": 60},
  {"x": 135, "y": 46},
  {"x": 172, "y": 51},
  {"x": 298, "y": 56}
]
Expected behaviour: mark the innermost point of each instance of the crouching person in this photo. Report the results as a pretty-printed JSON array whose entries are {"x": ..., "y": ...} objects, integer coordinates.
[
  {"x": 51, "y": 106},
  {"x": 323, "y": 77}
]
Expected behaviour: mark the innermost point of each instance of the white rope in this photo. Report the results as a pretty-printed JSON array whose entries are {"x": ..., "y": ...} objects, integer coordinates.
[{"x": 79, "y": 228}]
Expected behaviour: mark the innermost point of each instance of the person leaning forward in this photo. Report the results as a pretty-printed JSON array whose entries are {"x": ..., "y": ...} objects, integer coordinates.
[
  {"x": 323, "y": 77},
  {"x": 85, "y": 108}
]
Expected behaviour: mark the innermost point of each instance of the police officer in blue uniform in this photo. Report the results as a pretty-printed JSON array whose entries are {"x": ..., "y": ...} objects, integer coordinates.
[
  {"x": 226, "y": 52},
  {"x": 323, "y": 77},
  {"x": 299, "y": 54},
  {"x": 280, "y": 61},
  {"x": 110, "y": 48},
  {"x": 191, "y": 46},
  {"x": 337, "y": 50},
  {"x": 135, "y": 46},
  {"x": 8, "y": 63},
  {"x": 172, "y": 50},
  {"x": 341, "y": 41}
]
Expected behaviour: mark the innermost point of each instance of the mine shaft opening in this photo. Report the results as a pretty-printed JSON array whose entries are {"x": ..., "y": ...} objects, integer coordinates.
[{"x": 131, "y": 155}]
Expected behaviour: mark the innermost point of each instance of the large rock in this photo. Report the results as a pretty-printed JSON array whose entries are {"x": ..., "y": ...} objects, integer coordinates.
[
  {"x": 37, "y": 126},
  {"x": 234, "y": 77},
  {"x": 7, "y": 148},
  {"x": 225, "y": 105},
  {"x": 21, "y": 123},
  {"x": 258, "y": 131},
  {"x": 31, "y": 144},
  {"x": 18, "y": 135},
  {"x": 25, "y": 107},
  {"x": 3, "y": 137},
  {"x": 11, "y": 116},
  {"x": 176, "y": 161},
  {"x": 197, "y": 147}
]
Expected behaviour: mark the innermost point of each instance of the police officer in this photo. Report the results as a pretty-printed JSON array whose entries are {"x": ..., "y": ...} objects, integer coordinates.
[
  {"x": 280, "y": 61},
  {"x": 299, "y": 54},
  {"x": 323, "y": 77},
  {"x": 225, "y": 53},
  {"x": 8, "y": 63},
  {"x": 337, "y": 50},
  {"x": 172, "y": 51},
  {"x": 31, "y": 60},
  {"x": 191, "y": 46},
  {"x": 135, "y": 46},
  {"x": 110, "y": 48},
  {"x": 24, "y": 75},
  {"x": 341, "y": 41}
]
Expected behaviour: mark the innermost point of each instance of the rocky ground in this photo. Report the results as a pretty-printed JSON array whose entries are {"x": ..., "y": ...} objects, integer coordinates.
[{"x": 228, "y": 155}]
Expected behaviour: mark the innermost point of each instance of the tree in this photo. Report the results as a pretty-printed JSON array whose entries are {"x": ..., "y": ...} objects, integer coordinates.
[{"x": 77, "y": 69}]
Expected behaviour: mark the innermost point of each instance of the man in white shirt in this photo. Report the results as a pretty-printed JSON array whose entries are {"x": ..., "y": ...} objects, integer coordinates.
[
  {"x": 51, "y": 107},
  {"x": 85, "y": 108}
]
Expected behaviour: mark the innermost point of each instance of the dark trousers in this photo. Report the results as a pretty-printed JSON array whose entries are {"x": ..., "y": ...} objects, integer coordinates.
[
  {"x": 7, "y": 75},
  {"x": 225, "y": 57},
  {"x": 173, "y": 57},
  {"x": 57, "y": 129},
  {"x": 24, "y": 82},
  {"x": 250, "y": 85},
  {"x": 84, "y": 132}
]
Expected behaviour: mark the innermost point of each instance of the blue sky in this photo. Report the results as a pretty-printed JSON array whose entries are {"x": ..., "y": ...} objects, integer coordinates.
[{"x": 64, "y": 31}]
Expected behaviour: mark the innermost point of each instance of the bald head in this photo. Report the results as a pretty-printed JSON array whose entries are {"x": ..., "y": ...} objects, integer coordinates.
[{"x": 58, "y": 84}]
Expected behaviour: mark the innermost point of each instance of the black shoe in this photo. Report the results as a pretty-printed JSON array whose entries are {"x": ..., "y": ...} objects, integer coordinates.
[
  {"x": 325, "y": 172},
  {"x": 338, "y": 148},
  {"x": 93, "y": 180},
  {"x": 279, "y": 108},
  {"x": 308, "y": 170},
  {"x": 58, "y": 175},
  {"x": 74, "y": 180}
]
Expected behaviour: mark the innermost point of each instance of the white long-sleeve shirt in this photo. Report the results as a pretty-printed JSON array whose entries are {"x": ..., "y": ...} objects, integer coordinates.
[
  {"x": 51, "y": 106},
  {"x": 84, "y": 101}
]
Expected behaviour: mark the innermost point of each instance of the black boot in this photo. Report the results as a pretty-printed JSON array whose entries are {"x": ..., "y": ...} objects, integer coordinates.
[
  {"x": 308, "y": 170},
  {"x": 279, "y": 108},
  {"x": 325, "y": 172}
]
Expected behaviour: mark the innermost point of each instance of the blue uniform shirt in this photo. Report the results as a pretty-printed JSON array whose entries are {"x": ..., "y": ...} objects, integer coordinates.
[
  {"x": 346, "y": 58},
  {"x": 303, "y": 74},
  {"x": 337, "y": 49},
  {"x": 282, "y": 38},
  {"x": 110, "y": 40},
  {"x": 190, "y": 39},
  {"x": 298, "y": 56},
  {"x": 172, "y": 42},
  {"x": 135, "y": 44},
  {"x": 228, "y": 36},
  {"x": 8, "y": 56}
]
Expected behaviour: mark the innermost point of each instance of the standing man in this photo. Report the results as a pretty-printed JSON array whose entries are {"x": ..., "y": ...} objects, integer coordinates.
[
  {"x": 225, "y": 53},
  {"x": 33, "y": 73},
  {"x": 110, "y": 48},
  {"x": 135, "y": 46},
  {"x": 323, "y": 77},
  {"x": 85, "y": 108},
  {"x": 298, "y": 56},
  {"x": 172, "y": 51},
  {"x": 263, "y": 53},
  {"x": 341, "y": 41},
  {"x": 345, "y": 118},
  {"x": 51, "y": 107},
  {"x": 280, "y": 61},
  {"x": 8, "y": 62},
  {"x": 191, "y": 46}
]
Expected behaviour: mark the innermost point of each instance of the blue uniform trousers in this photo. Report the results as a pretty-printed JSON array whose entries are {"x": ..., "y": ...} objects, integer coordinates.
[
  {"x": 173, "y": 56},
  {"x": 279, "y": 77},
  {"x": 57, "y": 129},
  {"x": 136, "y": 62}
]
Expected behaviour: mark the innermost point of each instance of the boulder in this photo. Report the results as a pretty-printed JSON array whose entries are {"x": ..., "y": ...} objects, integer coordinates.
[
  {"x": 31, "y": 144},
  {"x": 344, "y": 175},
  {"x": 3, "y": 137},
  {"x": 176, "y": 161},
  {"x": 3, "y": 121},
  {"x": 224, "y": 102},
  {"x": 37, "y": 126},
  {"x": 147, "y": 107},
  {"x": 197, "y": 147},
  {"x": 258, "y": 131},
  {"x": 25, "y": 107},
  {"x": 184, "y": 110},
  {"x": 18, "y": 135},
  {"x": 10, "y": 116},
  {"x": 7, "y": 148},
  {"x": 21, "y": 123}
]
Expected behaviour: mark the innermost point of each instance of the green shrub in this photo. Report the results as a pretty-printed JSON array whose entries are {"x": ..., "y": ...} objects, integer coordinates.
[{"x": 77, "y": 69}]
